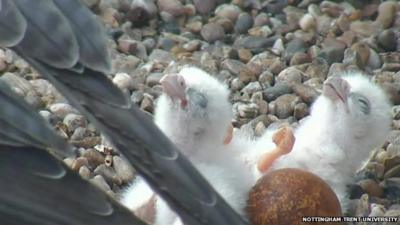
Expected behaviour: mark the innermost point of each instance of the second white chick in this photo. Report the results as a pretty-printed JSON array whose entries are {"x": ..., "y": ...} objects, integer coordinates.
[
  {"x": 195, "y": 113},
  {"x": 349, "y": 119}
]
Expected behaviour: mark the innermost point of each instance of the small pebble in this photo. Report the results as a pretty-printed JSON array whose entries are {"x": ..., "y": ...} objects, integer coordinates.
[
  {"x": 154, "y": 79},
  {"x": 318, "y": 69},
  {"x": 300, "y": 58},
  {"x": 46, "y": 115},
  {"x": 123, "y": 169},
  {"x": 94, "y": 157},
  {"x": 285, "y": 104},
  {"x": 229, "y": 11},
  {"x": 161, "y": 56},
  {"x": 34, "y": 100},
  {"x": 69, "y": 162},
  {"x": 263, "y": 31},
  {"x": 377, "y": 210},
  {"x": 301, "y": 110},
  {"x": 247, "y": 110},
  {"x": 87, "y": 142},
  {"x": 244, "y": 55},
  {"x": 261, "y": 19},
  {"x": 15, "y": 81},
  {"x": 371, "y": 187},
  {"x": 62, "y": 109},
  {"x": 78, "y": 163},
  {"x": 270, "y": 94},
  {"x": 108, "y": 173},
  {"x": 123, "y": 81},
  {"x": 141, "y": 10},
  {"x": 386, "y": 13},
  {"x": 147, "y": 103},
  {"x": 294, "y": 46},
  {"x": 243, "y": 23},
  {"x": 73, "y": 121},
  {"x": 84, "y": 172},
  {"x": 307, "y": 22},
  {"x": 99, "y": 181},
  {"x": 387, "y": 40},
  {"x": 205, "y": 6},
  {"x": 252, "y": 87},
  {"x": 212, "y": 32},
  {"x": 306, "y": 93},
  {"x": 290, "y": 75}
]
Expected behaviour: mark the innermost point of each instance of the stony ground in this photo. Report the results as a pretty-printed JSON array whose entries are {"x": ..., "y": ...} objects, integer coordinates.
[{"x": 274, "y": 56}]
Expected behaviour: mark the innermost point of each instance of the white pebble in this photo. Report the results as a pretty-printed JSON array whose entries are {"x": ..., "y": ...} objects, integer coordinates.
[{"x": 307, "y": 22}]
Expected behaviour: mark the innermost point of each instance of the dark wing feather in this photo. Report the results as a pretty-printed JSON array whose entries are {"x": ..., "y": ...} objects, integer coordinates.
[
  {"x": 88, "y": 33},
  {"x": 37, "y": 189},
  {"x": 21, "y": 126},
  {"x": 151, "y": 153},
  {"x": 144, "y": 145},
  {"x": 49, "y": 36},
  {"x": 12, "y": 24}
]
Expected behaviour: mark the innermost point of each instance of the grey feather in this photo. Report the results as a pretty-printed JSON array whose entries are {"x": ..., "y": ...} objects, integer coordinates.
[
  {"x": 49, "y": 36},
  {"x": 54, "y": 198},
  {"x": 21, "y": 126},
  {"x": 151, "y": 153},
  {"x": 88, "y": 33},
  {"x": 12, "y": 24},
  {"x": 37, "y": 188},
  {"x": 159, "y": 162}
]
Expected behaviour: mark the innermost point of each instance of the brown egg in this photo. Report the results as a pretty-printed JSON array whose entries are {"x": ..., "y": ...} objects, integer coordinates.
[{"x": 284, "y": 196}]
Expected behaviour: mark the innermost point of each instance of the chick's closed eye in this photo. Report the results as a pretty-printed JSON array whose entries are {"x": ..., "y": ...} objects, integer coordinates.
[
  {"x": 197, "y": 98},
  {"x": 362, "y": 103}
]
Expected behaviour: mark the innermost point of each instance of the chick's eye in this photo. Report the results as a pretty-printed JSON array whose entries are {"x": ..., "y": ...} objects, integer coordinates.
[
  {"x": 197, "y": 98},
  {"x": 362, "y": 103}
]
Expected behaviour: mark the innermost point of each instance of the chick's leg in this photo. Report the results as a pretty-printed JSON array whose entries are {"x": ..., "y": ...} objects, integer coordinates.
[{"x": 284, "y": 140}]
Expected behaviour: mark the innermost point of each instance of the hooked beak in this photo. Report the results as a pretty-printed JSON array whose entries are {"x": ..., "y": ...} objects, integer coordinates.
[
  {"x": 336, "y": 89},
  {"x": 175, "y": 87}
]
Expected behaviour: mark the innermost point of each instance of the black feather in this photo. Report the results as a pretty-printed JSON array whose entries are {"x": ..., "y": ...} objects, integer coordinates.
[
  {"x": 12, "y": 24},
  {"x": 37, "y": 189},
  {"x": 52, "y": 45}
]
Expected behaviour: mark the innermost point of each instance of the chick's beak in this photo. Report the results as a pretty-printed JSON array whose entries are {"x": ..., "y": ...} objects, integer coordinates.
[
  {"x": 336, "y": 89},
  {"x": 175, "y": 87}
]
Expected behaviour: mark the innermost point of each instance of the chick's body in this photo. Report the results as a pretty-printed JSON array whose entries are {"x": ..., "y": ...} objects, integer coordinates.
[
  {"x": 197, "y": 129},
  {"x": 349, "y": 120},
  {"x": 195, "y": 113}
]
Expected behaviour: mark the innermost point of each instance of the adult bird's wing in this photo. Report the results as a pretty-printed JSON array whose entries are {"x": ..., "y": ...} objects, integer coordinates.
[
  {"x": 21, "y": 126},
  {"x": 50, "y": 45},
  {"x": 37, "y": 188}
]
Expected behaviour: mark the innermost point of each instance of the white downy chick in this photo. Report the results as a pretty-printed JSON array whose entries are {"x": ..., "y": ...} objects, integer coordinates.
[
  {"x": 195, "y": 113},
  {"x": 349, "y": 120}
]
